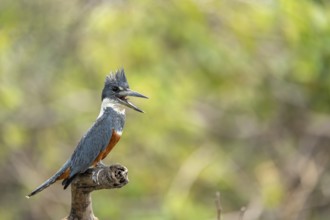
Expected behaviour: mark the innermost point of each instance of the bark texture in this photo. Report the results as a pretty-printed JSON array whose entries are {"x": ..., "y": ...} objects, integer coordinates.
[{"x": 102, "y": 177}]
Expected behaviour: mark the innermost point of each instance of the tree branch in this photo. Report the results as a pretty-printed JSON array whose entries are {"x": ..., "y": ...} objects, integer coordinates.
[{"x": 102, "y": 177}]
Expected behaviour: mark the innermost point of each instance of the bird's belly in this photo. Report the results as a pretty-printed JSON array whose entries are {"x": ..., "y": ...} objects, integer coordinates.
[{"x": 113, "y": 141}]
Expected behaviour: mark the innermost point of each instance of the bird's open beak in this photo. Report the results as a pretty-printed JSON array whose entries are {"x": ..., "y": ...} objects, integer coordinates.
[{"x": 122, "y": 98}]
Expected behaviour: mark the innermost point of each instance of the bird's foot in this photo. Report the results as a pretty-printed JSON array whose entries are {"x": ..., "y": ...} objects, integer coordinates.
[{"x": 100, "y": 164}]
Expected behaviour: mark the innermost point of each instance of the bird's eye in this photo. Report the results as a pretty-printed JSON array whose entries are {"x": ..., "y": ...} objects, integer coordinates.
[{"x": 115, "y": 89}]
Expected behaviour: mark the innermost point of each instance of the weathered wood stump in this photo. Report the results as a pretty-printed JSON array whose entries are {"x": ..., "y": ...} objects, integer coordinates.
[{"x": 102, "y": 177}]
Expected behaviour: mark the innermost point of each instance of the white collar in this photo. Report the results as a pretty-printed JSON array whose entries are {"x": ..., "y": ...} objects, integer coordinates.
[{"x": 109, "y": 103}]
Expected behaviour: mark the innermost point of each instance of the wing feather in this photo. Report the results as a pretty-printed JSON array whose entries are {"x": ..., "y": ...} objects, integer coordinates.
[{"x": 93, "y": 142}]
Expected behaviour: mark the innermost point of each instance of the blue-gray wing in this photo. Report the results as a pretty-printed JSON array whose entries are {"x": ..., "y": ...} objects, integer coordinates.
[{"x": 92, "y": 143}]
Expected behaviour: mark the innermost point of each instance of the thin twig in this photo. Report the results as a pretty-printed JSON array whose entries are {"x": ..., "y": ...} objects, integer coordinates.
[
  {"x": 241, "y": 213},
  {"x": 218, "y": 205}
]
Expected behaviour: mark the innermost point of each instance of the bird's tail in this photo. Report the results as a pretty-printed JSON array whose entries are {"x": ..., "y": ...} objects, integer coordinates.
[{"x": 51, "y": 180}]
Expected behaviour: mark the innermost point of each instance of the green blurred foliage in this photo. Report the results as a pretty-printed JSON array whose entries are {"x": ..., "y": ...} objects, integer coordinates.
[{"x": 239, "y": 103}]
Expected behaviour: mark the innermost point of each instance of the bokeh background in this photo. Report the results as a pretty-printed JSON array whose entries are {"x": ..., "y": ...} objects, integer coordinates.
[{"x": 239, "y": 104}]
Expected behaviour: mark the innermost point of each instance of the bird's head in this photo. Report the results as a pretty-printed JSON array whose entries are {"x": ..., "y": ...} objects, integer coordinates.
[{"x": 116, "y": 89}]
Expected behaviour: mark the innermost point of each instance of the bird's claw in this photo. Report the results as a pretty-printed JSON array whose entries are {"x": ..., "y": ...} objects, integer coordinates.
[{"x": 100, "y": 164}]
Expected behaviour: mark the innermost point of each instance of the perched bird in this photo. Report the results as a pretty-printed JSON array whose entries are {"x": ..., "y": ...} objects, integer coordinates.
[{"x": 104, "y": 134}]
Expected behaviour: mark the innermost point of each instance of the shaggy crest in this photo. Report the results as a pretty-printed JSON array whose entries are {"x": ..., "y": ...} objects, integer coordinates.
[{"x": 118, "y": 78}]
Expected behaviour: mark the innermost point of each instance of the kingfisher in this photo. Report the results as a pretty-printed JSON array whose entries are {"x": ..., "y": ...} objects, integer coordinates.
[{"x": 104, "y": 134}]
